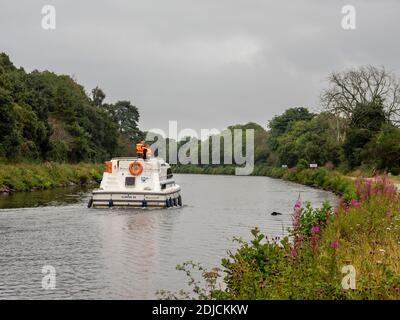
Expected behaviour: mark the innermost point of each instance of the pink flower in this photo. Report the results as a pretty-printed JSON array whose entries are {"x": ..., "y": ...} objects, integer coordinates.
[
  {"x": 355, "y": 203},
  {"x": 315, "y": 229},
  {"x": 298, "y": 239},
  {"x": 293, "y": 253},
  {"x": 296, "y": 215},
  {"x": 334, "y": 244},
  {"x": 314, "y": 237}
]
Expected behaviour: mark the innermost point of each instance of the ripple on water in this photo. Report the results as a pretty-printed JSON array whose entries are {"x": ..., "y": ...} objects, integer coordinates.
[{"x": 129, "y": 254}]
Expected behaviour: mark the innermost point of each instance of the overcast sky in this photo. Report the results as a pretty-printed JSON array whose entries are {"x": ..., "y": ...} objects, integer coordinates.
[{"x": 204, "y": 63}]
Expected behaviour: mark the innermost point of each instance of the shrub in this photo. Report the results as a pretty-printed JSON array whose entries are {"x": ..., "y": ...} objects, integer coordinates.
[
  {"x": 302, "y": 164},
  {"x": 363, "y": 233},
  {"x": 311, "y": 217}
]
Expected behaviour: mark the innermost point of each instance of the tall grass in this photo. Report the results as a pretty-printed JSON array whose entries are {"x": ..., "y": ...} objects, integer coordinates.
[
  {"x": 25, "y": 177},
  {"x": 362, "y": 234}
]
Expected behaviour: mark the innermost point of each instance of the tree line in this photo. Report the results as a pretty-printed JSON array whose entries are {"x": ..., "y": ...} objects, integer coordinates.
[
  {"x": 45, "y": 116},
  {"x": 357, "y": 126}
]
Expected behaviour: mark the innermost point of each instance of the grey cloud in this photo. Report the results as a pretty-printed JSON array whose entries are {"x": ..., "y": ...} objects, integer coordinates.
[{"x": 204, "y": 63}]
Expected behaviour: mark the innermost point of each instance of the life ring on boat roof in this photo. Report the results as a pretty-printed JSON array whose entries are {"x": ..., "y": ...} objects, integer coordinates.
[{"x": 135, "y": 168}]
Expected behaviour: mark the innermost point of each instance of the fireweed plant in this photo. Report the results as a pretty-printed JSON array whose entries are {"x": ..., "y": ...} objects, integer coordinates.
[{"x": 363, "y": 232}]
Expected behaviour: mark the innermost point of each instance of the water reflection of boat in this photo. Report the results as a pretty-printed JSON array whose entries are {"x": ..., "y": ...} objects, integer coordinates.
[{"x": 137, "y": 182}]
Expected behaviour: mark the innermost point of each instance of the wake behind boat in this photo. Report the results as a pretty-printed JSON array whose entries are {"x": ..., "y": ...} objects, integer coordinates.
[{"x": 137, "y": 182}]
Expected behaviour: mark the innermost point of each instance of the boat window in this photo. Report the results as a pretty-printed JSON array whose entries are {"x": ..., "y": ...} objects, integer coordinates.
[
  {"x": 130, "y": 181},
  {"x": 169, "y": 173},
  {"x": 163, "y": 186}
]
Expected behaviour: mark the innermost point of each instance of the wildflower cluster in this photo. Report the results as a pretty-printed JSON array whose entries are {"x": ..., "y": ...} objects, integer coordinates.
[{"x": 379, "y": 185}]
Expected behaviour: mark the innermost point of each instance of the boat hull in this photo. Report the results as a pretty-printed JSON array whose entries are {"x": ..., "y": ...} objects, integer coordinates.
[{"x": 106, "y": 199}]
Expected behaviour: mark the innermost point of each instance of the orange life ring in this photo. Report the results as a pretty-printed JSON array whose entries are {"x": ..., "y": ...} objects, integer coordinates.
[{"x": 135, "y": 168}]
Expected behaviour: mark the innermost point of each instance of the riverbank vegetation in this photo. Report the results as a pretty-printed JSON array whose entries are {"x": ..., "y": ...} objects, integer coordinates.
[
  {"x": 357, "y": 134},
  {"x": 360, "y": 238},
  {"x": 298, "y": 138},
  {"x": 45, "y": 116},
  {"x": 50, "y": 117},
  {"x": 348, "y": 252},
  {"x": 27, "y": 177},
  {"x": 357, "y": 129}
]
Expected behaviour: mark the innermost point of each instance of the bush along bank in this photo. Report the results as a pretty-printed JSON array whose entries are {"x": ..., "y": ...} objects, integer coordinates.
[
  {"x": 350, "y": 252},
  {"x": 29, "y": 177},
  {"x": 320, "y": 177}
]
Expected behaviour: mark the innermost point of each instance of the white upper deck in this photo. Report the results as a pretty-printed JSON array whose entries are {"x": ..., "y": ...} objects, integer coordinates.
[{"x": 155, "y": 177}]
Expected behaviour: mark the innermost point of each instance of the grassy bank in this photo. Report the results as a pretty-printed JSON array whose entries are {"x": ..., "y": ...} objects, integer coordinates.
[
  {"x": 321, "y": 177},
  {"x": 348, "y": 252},
  {"x": 362, "y": 237},
  {"x": 27, "y": 177}
]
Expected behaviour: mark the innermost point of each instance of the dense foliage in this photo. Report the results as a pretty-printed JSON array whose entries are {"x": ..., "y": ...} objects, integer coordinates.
[
  {"x": 45, "y": 116},
  {"x": 368, "y": 140},
  {"x": 358, "y": 128},
  {"x": 350, "y": 252},
  {"x": 363, "y": 234},
  {"x": 297, "y": 138}
]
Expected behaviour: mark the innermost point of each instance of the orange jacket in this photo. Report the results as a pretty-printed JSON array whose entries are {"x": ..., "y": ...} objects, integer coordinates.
[{"x": 139, "y": 148}]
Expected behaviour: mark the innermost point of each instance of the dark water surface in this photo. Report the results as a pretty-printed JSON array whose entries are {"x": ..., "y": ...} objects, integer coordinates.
[{"x": 130, "y": 254}]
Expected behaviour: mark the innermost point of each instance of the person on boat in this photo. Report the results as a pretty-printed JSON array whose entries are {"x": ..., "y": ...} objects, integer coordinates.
[
  {"x": 147, "y": 153},
  {"x": 140, "y": 149}
]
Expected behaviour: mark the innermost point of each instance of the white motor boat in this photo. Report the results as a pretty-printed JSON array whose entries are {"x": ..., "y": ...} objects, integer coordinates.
[{"x": 137, "y": 182}]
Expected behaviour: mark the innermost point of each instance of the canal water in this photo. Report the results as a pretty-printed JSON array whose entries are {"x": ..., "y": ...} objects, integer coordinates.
[{"x": 132, "y": 253}]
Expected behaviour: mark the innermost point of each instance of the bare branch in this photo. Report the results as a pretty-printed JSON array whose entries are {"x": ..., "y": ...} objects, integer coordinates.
[{"x": 362, "y": 86}]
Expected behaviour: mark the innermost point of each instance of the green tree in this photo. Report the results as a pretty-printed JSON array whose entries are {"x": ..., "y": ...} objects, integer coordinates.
[
  {"x": 312, "y": 140},
  {"x": 98, "y": 97},
  {"x": 50, "y": 116},
  {"x": 127, "y": 116},
  {"x": 9, "y": 140},
  {"x": 383, "y": 151},
  {"x": 365, "y": 122},
  {"x": 279, "y": 125}
]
